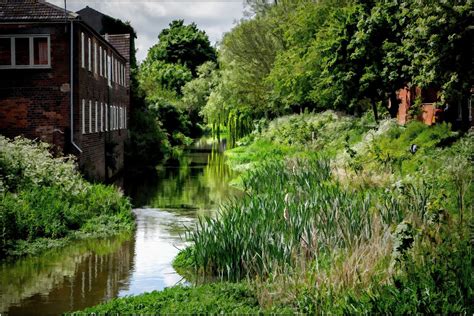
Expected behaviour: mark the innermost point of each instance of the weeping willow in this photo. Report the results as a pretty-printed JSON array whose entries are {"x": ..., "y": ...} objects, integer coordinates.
[{"x": 238, "y": 124}]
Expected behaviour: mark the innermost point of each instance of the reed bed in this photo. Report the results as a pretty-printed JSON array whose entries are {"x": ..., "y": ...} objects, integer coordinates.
[{"x": 292, "y": 209}]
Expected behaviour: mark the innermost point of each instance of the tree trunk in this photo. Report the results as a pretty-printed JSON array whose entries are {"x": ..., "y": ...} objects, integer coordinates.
[{"x": 376, "y": 114}]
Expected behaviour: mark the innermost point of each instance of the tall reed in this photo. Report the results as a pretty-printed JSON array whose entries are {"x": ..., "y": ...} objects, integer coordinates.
[{"x": 292, "y": 209}]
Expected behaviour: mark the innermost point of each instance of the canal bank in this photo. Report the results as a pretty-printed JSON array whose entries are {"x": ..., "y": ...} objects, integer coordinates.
[{"x": 88, "y": 273}]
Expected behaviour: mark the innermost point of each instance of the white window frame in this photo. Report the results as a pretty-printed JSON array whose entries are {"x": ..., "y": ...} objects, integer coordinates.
[
  {"x": 106, "y": 118},
  {"x": 124, "y": 118},
  {"x": 109, "y": 70},
  {"x": 112, "y": 121},
  {"x": 100, "y": 60},
  {"x": 117, "y": 118},
  {"x": 96, "y": 121},
  {"x": 122, "y": 74},
  {"x": 101, "y": 117},
  {"x": 90, "y": 116},
  {"x": 83, "y": 116},
  {"x": 83, "y": 53},
  {"x": 95, "y": 57},
  {"x": 105, "y": 63},
  {"x": 90, "y": 54},
  {"x": 113, "y": 69},
  {"x": 31, "y": 37}
]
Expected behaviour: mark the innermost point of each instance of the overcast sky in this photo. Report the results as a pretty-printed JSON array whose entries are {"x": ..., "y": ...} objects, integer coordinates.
[{"x": 149, "y": 17}]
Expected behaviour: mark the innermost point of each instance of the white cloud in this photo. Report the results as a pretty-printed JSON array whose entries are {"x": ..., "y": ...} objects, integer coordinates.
[{"x": 150, "y": 17}]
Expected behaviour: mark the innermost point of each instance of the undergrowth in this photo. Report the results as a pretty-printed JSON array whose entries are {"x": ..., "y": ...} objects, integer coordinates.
[
  {"x": 44, "y": 201},
  {"x": 377, "y": 220}
]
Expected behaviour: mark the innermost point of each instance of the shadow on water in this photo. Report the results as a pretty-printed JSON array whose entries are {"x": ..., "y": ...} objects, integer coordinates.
[{"x": 167, "y": 200}]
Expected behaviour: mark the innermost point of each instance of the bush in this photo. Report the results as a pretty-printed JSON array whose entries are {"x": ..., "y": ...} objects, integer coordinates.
[{"x": 45, "y": 197}]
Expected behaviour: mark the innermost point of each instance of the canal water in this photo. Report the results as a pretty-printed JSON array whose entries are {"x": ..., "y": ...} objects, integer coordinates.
[{"x": 167, "y": 200}]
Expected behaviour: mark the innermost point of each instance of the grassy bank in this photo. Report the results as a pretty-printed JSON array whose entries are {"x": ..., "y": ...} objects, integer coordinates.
[
  {"x": 45, "y": 202},
  {"x": 343, "y": 216},
  {"x": 207, "y": 299}
]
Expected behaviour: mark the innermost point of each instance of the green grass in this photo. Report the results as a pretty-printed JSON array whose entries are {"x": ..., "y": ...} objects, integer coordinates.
[{"x": 214, "y": 298}]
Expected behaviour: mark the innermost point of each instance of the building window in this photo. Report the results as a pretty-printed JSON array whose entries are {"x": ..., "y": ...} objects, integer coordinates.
[
  {"x": 95, "y": 57},
  {"x": 101, "y": 117},
  {"x": 109, "y": 71},
  {"x": 100, "y": 61},
  {"x": 125, "y": 114},
  {"x": 113, "y": 69},
  {"x": 96, "y": 118},
  {"x": 112, "y": 118},
  {"x": 5, "y": 51},
  {"x": 115, "y": 118},
  {"x": 90, "y": 54},
  {"x": 83, "y": 116},
  {"x": 25, "y": 51},
  {"x": 90, "y": 116},
  {"x": 123, "y": 117},
  {"x": 121, "y": 74},
  {"x": 105, "y": 63},
  {"x": 83, "y": 53},
  {"x": 106, "y": 118}
]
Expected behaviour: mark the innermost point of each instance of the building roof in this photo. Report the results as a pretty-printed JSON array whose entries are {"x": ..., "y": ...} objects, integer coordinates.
[
  {"x": 103, "y": 23},
  {"x": 32, "y": 10}
]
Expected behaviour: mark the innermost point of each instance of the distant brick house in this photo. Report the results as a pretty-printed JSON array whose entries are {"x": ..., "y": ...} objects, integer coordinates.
[
  {"x": 64, "y": 83},
  {"x": 404, "y": 99}
]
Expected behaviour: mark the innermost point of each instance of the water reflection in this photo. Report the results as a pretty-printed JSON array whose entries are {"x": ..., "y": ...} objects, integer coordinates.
[
  {"x": 200, "y": 182},
  {"x": 68, "y": 279},
  {"x": 157, "y": 242}
]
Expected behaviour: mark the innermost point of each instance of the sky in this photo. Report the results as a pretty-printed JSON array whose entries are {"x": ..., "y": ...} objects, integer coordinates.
[{"x": 149, "y": 17}]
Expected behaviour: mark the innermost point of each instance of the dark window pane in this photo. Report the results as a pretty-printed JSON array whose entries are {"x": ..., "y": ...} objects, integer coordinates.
[
  {"x": 40, "y": 46},
  {"x": 5, "y": 52},
  {"x": 22, "y": 51}
]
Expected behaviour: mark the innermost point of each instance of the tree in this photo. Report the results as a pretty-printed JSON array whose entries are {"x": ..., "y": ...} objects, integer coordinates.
[
  {"x": 183, "y": 44},
  {"x": 171, "y": 64}
]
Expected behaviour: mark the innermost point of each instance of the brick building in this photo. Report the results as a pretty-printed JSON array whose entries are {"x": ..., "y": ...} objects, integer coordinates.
[{"x": 64, "y": 83}]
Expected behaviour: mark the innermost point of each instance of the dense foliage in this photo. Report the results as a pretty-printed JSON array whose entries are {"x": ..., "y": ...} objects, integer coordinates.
[
  {"x": 174, "y": 81},
  {"x": 344, "y": 55},
  {"x": 43, "y": 198}
]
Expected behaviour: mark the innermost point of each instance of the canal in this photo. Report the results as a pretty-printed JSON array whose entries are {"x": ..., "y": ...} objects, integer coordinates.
[{"x": 167, "y": 202}]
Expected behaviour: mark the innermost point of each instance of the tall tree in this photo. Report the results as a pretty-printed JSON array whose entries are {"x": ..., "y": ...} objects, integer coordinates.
[{"x": 183, "y": 44}]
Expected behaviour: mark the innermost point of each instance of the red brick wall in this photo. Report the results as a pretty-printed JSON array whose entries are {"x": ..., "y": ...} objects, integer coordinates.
[
  {"x": 31, "y": 101},
  {"x": 35, "y": 103},
  {"x": 103, "y": 151}
]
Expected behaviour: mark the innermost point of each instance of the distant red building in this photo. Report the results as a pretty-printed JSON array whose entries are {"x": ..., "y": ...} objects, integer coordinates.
[
  {"x": 460, "y": 113},
  {"x": 64, "y": 83}
]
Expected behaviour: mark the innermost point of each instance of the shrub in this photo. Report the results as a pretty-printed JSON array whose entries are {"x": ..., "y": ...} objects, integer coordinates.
[{"x": 45, "y": 197}]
